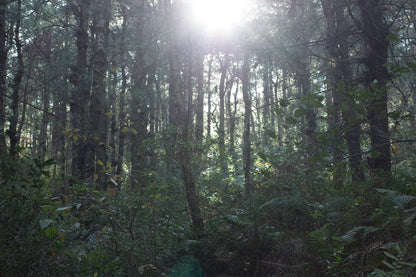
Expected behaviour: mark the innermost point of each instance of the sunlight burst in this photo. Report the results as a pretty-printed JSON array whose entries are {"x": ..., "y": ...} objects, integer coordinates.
[{"x": 219, "y": 15}]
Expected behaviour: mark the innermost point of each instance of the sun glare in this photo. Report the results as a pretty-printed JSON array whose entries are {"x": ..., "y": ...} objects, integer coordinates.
[{"x": 219, "y": 15}]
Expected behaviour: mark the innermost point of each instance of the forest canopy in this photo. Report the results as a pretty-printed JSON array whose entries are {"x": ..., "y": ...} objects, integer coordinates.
[{"x": 207, "y": 138}]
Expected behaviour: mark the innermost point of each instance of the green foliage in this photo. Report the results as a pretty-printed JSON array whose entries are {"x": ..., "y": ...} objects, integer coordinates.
[
  {"x": 396, "y": 263},
  {"x": 88, "y": 232}
]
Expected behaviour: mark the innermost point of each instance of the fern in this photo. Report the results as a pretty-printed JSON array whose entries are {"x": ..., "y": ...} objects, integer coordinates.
[
  {"x": 318, "y": 239},
  {"x": 239, "y": 220},
  {"x": 400, "y": 200},
  {"x": 350, "y": 236},
  {"x": 411, "y": 217}
]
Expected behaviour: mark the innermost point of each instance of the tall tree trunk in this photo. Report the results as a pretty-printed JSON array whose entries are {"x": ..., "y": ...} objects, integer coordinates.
[
  {"x": 332, "y": 96},
  {"x": 231, "y": 114},
  {"x": 46, "y": 95},
  {"x": 98, "y": 107},
  {"x": 245, "y": 79},
  {"x": 284, "y": 107},
  {"x": 58, "y": 136},
  {"x": 12, "y": 132},
  {"x": 43, "y": 135},
  {"x": 266, "y": 102},
  {"x": 375, "y": 32},
  {"x": 225, "y": 64},
  {"x": 113, "y": 104},
  {"x": 180, "y": 121},
  {"x": 139, "y": 109},
  {"x": 209, "y": 97},
  {"x": 309, "y": 121},
  {"x": 122, "y": 115},
  {"x": 199, "y": 105},
  {"x": 82, "y": 164},
  {"x": 340, "y": 86},
  {"x": 3, "y": 74}
]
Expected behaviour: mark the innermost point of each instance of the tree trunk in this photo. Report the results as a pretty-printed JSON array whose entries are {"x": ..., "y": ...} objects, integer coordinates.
[
  {"x": 122, "y": 115},
  {"x": 231, "y": 114},
  {"x": 139, "y": 109},
  {"x": 98, "y": 107},
  {"x": 340, "y": 79},
  {"x": 267, "y": 99},
  {"x": 245, "y": 79},
  {"x": 180, "y": 122},
  {"x": 3, "y": 74},
  {"x": 375, "y": 32},
  {"x": 225, "y": 64},
  {"x": 82, "y": 164},
  {"x": 199, "y": 105},
  {"x": 12, "y": 132},
  {"x": 209, "y": 98}
]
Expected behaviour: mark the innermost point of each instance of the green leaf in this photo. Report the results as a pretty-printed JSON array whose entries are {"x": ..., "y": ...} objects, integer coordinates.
[
  {"x": 393, "y": 37},
  {"x": 389, "y": 265},
  {"x": 299, "y": 112},
  {"x": 48, "y": 162},
  {"x": 411, "y": 65},
  {"x": 63, "y": 209},
  {"x": 45, "y": 223},
  {"x": 50, "y": 232},
  {"x": 291, "y": 120},
  {"x": 47, "y": 208},
  {"x": 270, "y": 133},
  {"x": 395, "y": 115},
  {"x": 391, "y": 256},
  {"x": 379, "y": 272},
  {"x": 262, "y": 155},
  {"x": 284, "y": 103}
]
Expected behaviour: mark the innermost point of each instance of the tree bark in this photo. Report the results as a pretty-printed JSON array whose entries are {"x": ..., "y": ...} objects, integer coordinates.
[
  {"x": 375, "y": 32},
  {"x": 340, "y": 80},
  {"x": 139, "y": 109},
  {"x": 12, "y": 132},
  {"x": 99, "y": 106},
  {"x": 122, "y": 115},
  {"x": 199, "y": 105},
  {"x": 231, "y": 114},
  {"x": 245, "y": 79},
  {"x": 82, "y": 164},
  {"x": 180, "y": 122},
  {"x": 3, "y": 74},
  {"x": 225, "y": 64}
]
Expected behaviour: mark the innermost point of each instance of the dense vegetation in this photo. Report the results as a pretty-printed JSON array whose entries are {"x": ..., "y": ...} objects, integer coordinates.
[{"x": 134, "y": 144}]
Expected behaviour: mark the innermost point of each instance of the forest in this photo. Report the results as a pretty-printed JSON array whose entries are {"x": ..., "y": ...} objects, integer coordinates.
[{"x": 195, "y": 138}]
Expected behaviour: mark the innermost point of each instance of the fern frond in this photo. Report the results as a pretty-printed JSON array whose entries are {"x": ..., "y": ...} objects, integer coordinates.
[
  {"x": 363, "y": 230},
  {"x": 318, "y": 239},
  {"x": 403, "y": 200},
  {"x": 340, "y": 204},
  {"x": 292, "y": 202},
  {"x": 411, "y": 217},
  {"x": 399, "y": 199},
  {"x": 239, "y": 220}
]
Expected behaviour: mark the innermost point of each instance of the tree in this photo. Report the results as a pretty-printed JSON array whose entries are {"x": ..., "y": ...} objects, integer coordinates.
[
  {"x": 18, "y": 75},
  {"x": 375, "y": 31},
  {"x": 3, "y": 73},
  {"x": 245, "y": 80},
  {"x": 225, "y": 64},
  {"x": 340, "y": 84},
  {"x": 101, "y": 16},
  {"x": 180, "y": 118},
  {"x": 82, "y": 159}
]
